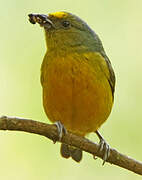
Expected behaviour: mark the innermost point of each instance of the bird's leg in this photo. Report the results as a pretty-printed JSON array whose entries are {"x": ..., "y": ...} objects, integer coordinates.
[
  {"x": 103, "y": 146},
  {"x": 61, "y": 130}
]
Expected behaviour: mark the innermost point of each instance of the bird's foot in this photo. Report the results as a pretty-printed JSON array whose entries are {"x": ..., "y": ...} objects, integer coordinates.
[
  {"x": 61, "y": 130},
  {"x": 103, "y": 146}
]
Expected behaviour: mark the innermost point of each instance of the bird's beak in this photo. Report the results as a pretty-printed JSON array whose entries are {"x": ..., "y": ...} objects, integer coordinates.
[{"x": 41, "y": 19}]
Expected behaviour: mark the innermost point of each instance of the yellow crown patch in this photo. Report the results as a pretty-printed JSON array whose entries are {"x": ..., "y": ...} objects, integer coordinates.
[{"x": 59, "y": 14}]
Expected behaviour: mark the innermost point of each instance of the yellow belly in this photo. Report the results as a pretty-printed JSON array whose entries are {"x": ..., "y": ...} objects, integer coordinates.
[{"x": 76, "y": 94}]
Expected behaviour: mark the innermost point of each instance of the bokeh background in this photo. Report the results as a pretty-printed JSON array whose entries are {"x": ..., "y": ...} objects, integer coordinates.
[{"x": 31, "y": 157}]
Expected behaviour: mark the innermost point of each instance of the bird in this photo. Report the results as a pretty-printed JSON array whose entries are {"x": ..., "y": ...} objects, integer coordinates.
[{"x": 77, "y": 78}]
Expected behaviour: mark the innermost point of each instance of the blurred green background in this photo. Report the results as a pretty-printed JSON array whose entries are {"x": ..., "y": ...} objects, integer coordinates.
[{"x": 31, "y": 157}]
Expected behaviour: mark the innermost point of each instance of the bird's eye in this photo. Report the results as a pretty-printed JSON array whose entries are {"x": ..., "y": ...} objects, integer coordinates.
[{"x": 66, "y": 23}]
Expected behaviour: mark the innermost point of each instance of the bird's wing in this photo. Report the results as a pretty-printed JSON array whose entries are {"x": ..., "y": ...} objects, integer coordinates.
[
  {"x": 110, "y": 76},
  {"x": 101, "y": 60},
  {"x": 105, "y": 62},
  {"x": 106, "y": 67}
]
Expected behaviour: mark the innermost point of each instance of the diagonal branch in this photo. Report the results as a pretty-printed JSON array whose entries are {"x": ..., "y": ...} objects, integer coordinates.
[{"x": 50, "y": 131}]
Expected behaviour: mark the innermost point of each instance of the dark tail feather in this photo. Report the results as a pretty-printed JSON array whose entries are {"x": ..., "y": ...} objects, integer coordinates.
[
  {"x": 75, "y": 153},
  {"x": 69, "y": 151},
  {"x": 65, "y": 152}
]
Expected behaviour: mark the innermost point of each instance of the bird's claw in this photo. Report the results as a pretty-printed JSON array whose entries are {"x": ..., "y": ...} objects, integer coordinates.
[
  {"x": 104, "y": 146},
  {"x": 61, "y": 130},
  {"x": 95, "y": 158}
]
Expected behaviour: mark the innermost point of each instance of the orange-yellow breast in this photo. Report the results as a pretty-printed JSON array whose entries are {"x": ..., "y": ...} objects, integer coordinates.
[{"x": 76, "y": 91}]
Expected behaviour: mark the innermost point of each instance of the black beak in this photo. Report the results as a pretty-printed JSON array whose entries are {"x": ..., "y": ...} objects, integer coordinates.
[{"x": 41, "y": 19}]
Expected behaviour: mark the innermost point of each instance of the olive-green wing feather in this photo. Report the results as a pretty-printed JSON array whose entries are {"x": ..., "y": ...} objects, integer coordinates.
[
  {"x": 98, "y": 48},
  {"x": 111, "y": 77},
  {"x": 102, "y": 61}
]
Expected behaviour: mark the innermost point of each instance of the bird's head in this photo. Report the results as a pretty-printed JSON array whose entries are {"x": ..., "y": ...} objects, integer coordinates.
[{"x": 67, "y": 32}]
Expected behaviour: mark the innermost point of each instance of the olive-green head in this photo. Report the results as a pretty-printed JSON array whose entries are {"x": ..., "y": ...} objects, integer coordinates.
[{"x": 66, "y": 31}]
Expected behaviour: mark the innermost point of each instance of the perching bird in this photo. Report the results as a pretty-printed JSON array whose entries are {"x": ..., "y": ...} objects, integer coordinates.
[{"x": 77, "y": 78}]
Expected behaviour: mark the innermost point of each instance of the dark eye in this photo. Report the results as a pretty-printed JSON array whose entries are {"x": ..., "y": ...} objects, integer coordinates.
[{"x": 66, "y": 23}]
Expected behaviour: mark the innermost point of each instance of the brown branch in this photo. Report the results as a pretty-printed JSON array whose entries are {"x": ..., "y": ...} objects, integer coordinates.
[{"x": 50, "y": 131}]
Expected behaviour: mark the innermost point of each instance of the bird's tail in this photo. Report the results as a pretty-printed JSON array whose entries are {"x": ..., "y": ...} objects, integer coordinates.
[{"x": 70, "y": 151}]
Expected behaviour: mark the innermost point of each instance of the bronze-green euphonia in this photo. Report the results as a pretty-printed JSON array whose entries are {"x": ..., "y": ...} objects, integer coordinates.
[{"x": 77, "y": 78}]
